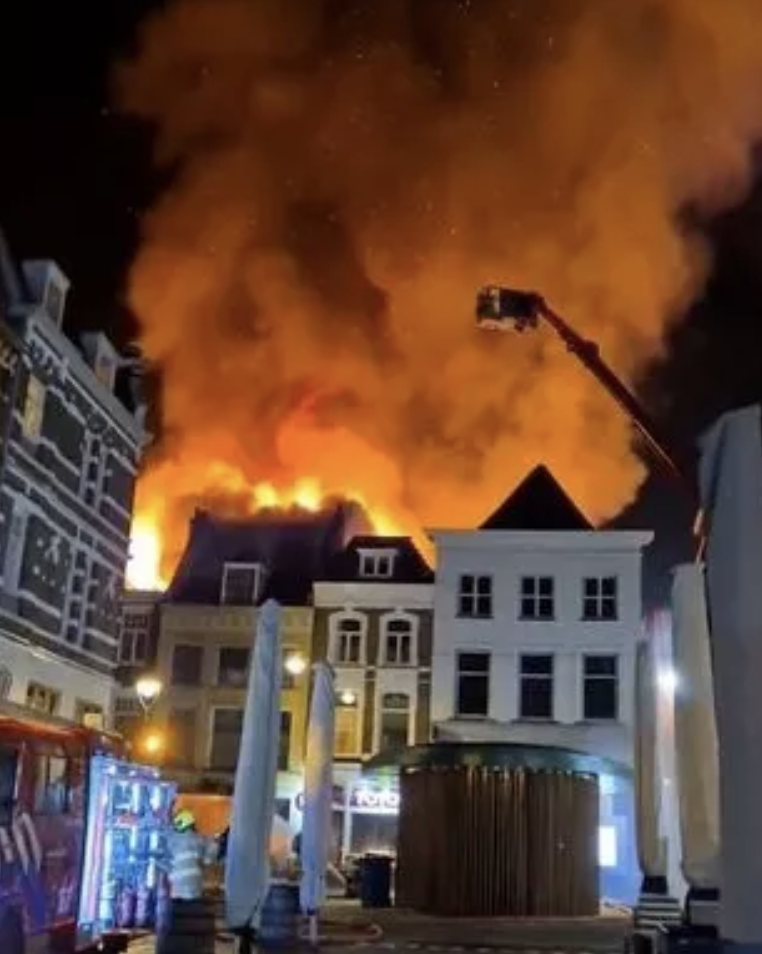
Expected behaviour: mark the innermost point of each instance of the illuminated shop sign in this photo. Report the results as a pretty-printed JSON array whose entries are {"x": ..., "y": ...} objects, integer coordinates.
[
  {"x": 380, "y": 801},
  {"x": 338, "y": 799}
]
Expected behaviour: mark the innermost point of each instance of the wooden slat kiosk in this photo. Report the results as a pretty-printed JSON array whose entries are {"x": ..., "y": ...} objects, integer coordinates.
[{"x": 496, "y": 829}]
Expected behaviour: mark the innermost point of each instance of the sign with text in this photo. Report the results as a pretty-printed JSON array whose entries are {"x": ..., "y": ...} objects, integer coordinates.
[{"x": 374, "y": 800}]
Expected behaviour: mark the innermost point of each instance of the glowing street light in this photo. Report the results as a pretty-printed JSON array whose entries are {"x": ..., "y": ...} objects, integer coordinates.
[
  {"x": 295, "y": 664},
  {"x": 668, "y": 680},
  {"x": 153, "y": 744},
  {"x": 148, "y": 688},
  {"x": 348, "y": 698}
]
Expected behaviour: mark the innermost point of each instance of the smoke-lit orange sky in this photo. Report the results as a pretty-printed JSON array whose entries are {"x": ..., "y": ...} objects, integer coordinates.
[{"x": 347, "y": 174}]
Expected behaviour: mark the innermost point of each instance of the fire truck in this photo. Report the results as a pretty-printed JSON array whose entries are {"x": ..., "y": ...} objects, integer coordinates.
[{"x": 69, "y": 804}]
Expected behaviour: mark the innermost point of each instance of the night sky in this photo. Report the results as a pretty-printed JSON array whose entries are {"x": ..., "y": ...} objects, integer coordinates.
[{"x": 75, "y": 177}]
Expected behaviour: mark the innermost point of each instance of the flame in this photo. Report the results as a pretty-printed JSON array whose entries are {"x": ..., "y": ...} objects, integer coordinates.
[{"x": 155, "y": 540}]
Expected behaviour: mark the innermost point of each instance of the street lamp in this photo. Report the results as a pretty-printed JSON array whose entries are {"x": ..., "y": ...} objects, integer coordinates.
[
  {"x": 348, "y": 698},
  {"x": 148, "y": 688},
  {"x": 295, "y": 664}
]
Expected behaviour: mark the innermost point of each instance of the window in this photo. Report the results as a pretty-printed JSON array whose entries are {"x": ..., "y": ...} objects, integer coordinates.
[
  {"x": 398, "y": 642},
  {"x": 227, "y": 725},
  {"x": 187, "y": 665},
  {"x": 42, "y": 698},
  {"x": 182, "y": 742},
  {"x": 284, "y": 742},
  {"x": 349, "y": 638},
  {"x": 395, "y": 721},
  {"x": 347, "y": 730},
  {"x": 8, "y": 768},
  {"x": 537, "y": 597},
  {"x": 34, "y": 408},
  {"x": 473, "y": 684},
  {"x": 133, "y": 646},
  {"x": 241, "y": 584},
  {"x": 6, "y": 681},
  {"x": 377, "y": 563},
  {"x": 50, "y": 784},
  {"x": 601, "y": 687},
  {"x": 599, "y": 598},
  {"x": 233, "y": 667},
  {"x": 54, "y": 301},
  {"x": 536, "y": 692},
  {"x": 89, "y": 714},
  {"x": 475, "y": 596}
]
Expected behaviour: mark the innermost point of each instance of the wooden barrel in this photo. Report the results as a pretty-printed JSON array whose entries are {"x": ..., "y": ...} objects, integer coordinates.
[
  {"x": 192, "y": 928},
  {"x": 280, "y": 916}
]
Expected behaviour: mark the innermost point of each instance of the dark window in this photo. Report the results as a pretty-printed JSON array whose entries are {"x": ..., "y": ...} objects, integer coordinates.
[
  {"x": 8, "y": 767},
  {"x": 395, "y": 721},
  {"x": 241, "y": 584},
  {"x": 475, "y": 596},
  {"x": 399, "y": 642},
  {"x": 233, "y": 666},
  {"x": 284, "y": 742},
  {"x": 51, "y": 787},
  {"x": 600, "y": 598},
  {"x": 473, "y": 684},
  {"x": 537, "y": 597},
  {"x": 187, "y": 665},
  {"x": 182, "y": 742},
  {"x": 227, "y": 726},
  {"x": 536, "y": 693},
  {"x": 601, "y": 687},
  {"x": 349, "y": 642}
]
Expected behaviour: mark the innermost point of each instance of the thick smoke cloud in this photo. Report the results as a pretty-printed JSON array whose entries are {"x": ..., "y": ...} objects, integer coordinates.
[{"x": 347, "y": 174}]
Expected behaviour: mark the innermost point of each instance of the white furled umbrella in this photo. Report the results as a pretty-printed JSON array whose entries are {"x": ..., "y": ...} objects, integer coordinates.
[
  {"x": 318, "y": 795},
  {"x": 695, "y": 730},
  {"x": 651, "y": 846},
  {"x": 731, "y": 490},
  {"x": 247, "y": 871}
]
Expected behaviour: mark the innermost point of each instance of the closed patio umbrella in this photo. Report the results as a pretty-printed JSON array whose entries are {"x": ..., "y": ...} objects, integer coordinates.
[
  {"x": 695, "y": 738},
  {"x": 731, "y": 490},
  {"x": 247, "y": 872},
  {"x": 318, "y": 795}
]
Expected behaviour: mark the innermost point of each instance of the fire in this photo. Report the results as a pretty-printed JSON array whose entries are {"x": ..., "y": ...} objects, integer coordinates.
[{"x": 155, "y": 539}]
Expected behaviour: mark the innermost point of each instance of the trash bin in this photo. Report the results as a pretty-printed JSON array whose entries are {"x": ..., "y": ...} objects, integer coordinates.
[{"x": 376, "y": 881}]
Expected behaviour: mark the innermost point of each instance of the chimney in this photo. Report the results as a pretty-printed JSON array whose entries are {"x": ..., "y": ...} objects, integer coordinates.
[
  {"x": 102, "y": 357},
  {"x": 48, "y": 287}
]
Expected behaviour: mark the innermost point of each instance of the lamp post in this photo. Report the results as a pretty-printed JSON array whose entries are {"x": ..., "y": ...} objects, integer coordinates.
[
  {"x": 295, "y": 664},
  {"x": 148, "y": 689}
]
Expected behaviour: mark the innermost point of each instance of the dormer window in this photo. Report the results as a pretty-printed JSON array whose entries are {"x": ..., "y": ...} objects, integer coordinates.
[
  {"x": 377, "y": 564},
  {"x": 241, "y": 584}
]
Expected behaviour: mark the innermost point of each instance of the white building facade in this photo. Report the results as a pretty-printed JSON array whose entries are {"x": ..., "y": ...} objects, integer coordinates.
[{"x": 536, "y": 620}]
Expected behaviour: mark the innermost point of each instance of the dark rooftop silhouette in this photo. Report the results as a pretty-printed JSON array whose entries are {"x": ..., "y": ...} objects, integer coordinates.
[{"x": 538, "y": 503}]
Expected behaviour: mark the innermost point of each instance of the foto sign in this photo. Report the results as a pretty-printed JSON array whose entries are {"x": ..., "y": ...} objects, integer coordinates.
[{"x": 377, "y": 801}]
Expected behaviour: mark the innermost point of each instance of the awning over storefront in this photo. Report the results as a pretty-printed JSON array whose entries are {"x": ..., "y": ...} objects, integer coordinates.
[{"x": 505, "y": 755}]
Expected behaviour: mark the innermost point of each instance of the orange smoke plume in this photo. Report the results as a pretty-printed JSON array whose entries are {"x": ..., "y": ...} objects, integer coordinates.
[{"x": 344, "y": 175}]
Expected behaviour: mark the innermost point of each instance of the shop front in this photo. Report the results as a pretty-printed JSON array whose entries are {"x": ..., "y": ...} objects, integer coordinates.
[{"x": 370, "y": 816}]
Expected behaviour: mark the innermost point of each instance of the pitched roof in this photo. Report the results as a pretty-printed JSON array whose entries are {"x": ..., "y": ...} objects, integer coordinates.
[
  {"x": 408, "y": 566},
  {"x": 295, "y": 548},
  {"x": 538, "y": 503}
]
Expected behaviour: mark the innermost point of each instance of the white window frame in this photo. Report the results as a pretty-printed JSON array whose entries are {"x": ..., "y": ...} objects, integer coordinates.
[
  {"x": 487, "y": 674},
  {"x": 131, "y": 637},
  {"x": 382, "y": 692},
  {"x": 386, "y": 635},
  {"x": 335, "y": 634},
  {"x": 551, "y": 678},
  {"x": 475, "y": 596},
  {"x": 537, "y": 598},
  {"x": 257, "y": 589},
  {"x": 616, "y": 679},
  {"x": 599, "y": 599},
  {"x": 376, "y": 564},
  {"x": 33, "y": 411}
]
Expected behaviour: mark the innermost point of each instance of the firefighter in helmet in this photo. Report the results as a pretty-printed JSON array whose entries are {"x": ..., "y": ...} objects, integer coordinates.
[{"x": 189, "y": 852}]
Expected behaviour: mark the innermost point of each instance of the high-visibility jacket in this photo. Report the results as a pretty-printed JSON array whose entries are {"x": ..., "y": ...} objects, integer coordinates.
[{"x": 189, "y": 852}]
